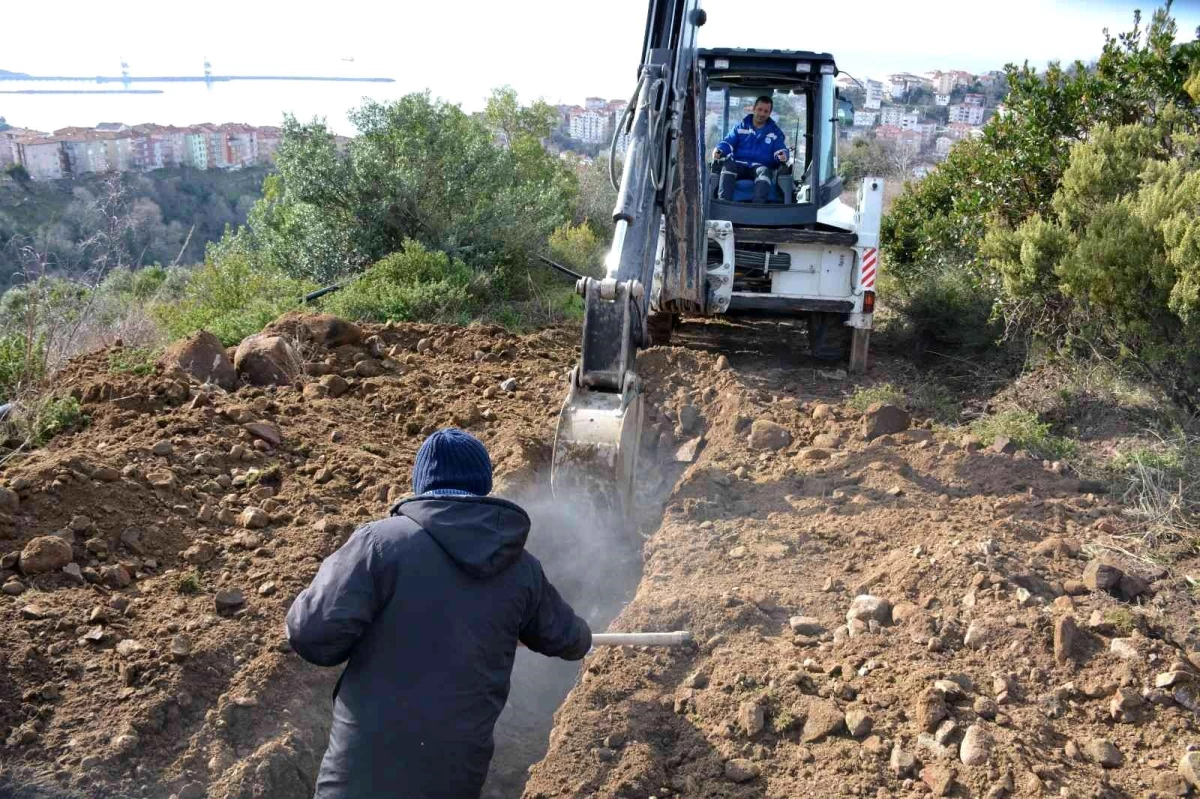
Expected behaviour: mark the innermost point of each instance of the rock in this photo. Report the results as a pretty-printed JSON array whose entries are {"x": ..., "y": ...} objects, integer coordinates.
[
  {"x": 813, "y": 454},
  {"x": 824, "y": 719},
  {"x": 202, "y": 358},
  {"x": 115, "y": 576},
  {"x": 985, "y": 708},
  {"x": 765, "y": 434},
  {"x": 131, "y": 537},
  {"x": 949, "y": 689},
  {"x": 193, "y": 790},
  {"x": 1168, "y": 783},
  {"x": 126, "y": 744},
  {"x": 199, "y": 553},
  {"x": 751, "y": 718},
  {"x": 858, "y": 722},
  {"x": 867, "y": 607},
  {"x": 938, "y": 750},
  {"x": 882, "y": 419},
  {"x": 689, "y": 419},
  {"x": 128, "y": 647},
  {"x": 827, "y": 441},
  {"x": 44, "y": 554},
  {"x": 1131, "y": 586},
  {"x": 1189, "y": 768},
  {"x": 33, "y": 612},
  {"x": 9, "y": 500},
  {"x": 976, "y": 746},
  {"x": 1103, "y": 752},
  {"x": 267, "y": 589},
  {"x": 940, "y": 779},
  {"x": 688, "y": 450},
  {"x": 977, "y": 635},
  {"x": 930, "y": 709},
  {"x": 740, "y": 770},
  {"x": 1125, "y": 706},
  {"x": 945, "y": 731},
  {"x": 1065, "y": 634},
  {"x": 1003, "y": 445},
  {"x": 162, "y": 448},
  {"x": 336, "y": 385},
  {"x": 265, "y": 431},
  {"x": 1167, "y": 679},
  {"x": 266, "y": 360},
  {"x": 902, "y": 763},
  {"x": 161, "y": 479},
  {"x": 254, "y": 518},
  {"x": 1100, "y": 575},
  {"x": 509, "y": 385},
  {"x": 806, "y": 625},
  {"x": 1125, "y": 648},
  {"x": 181, "y": 647},
  {"x": 331, "y": 332},
  {"x": 229, "y": 600},
  {"x": 13, "y": 587},
  {"x": 73, "y": 571},
  {"x": 368, "y": 368}
]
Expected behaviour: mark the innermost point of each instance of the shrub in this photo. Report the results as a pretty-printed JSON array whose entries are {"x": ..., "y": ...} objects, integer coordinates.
[
  {"x": 132, "y": 360},
  {"x": 864, "y": 398},
  {"x": 413, "y": 284},
  {"x": 21, "y": 364},
  {"x": 1026, "y": 431},
  {"x": 232, "y": 295}
]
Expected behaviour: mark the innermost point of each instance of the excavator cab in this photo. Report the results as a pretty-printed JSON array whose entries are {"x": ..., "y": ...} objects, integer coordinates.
[{"x": 806, "y": 107}]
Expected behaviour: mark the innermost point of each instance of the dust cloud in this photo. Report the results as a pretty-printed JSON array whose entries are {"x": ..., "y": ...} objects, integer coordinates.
[{"x": 596, "y": 565}]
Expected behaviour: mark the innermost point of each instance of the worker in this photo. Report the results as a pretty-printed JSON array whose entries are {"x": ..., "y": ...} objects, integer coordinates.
[
  {"x": 753, "y": 149},
  {"x": 426, "y": 608}
]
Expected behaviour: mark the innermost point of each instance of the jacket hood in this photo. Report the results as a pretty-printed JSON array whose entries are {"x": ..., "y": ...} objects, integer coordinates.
[{"x": 483, "y": 535}]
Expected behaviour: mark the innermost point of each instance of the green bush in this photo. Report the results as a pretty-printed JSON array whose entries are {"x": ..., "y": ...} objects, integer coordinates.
[
  {"x": 232, "y": 295},
  {"x": 413, "y": 284},
  {"x": 865, "y": 397},
  {"x": 21, "y": 364},
  {"x": 1025, "y": 430},
  {"x": 132, "y": 360},
  {"x": 53, "y": 416}
]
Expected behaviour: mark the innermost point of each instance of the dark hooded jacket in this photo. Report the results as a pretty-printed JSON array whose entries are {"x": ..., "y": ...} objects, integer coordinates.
[{"x": 427, "y": 606}]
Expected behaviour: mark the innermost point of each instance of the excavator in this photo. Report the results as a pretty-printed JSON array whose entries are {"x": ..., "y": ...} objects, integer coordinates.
[{"x": 679, "y": 249}]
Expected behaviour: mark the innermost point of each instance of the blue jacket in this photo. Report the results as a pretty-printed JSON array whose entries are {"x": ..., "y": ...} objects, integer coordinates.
[
  {"x": 427, "y": 606},
  {"x": 750, "y": 145}
]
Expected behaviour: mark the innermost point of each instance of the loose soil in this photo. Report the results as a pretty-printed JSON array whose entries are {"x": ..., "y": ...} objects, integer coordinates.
[{"x": 152, "y": 689}]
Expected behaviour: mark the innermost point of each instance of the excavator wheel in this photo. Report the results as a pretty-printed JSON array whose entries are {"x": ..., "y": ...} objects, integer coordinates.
[
  {"x": 828, "y": 337},
  {"x": 660, "y": 327}
]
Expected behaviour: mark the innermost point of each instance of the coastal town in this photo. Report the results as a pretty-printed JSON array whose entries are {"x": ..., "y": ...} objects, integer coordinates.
[{"x": 921, "y": 116}]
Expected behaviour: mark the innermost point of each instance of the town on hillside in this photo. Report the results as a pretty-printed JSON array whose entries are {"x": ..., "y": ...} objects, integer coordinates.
[
  {"x": 115, "y": 147},
  {"x": 917, "y": 117}
]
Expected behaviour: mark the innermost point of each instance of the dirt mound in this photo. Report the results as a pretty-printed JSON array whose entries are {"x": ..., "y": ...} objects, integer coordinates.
[
  {"x": 877, "y": 618},
  {"x": 154, "y": 663}
]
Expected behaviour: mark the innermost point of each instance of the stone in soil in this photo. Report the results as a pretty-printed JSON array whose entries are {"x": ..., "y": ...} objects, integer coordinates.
[
  {"x": 940, "y": 779},
  {"x": 1189, "y": 768},
  {"x": 930, "y": 709},
  {"x": 824, "y": 719},
  {"x": 902, "y": 763},
  {"x": 1065, "y": 634},
  {"x": 265, "y": 431},
  {"x": 751, "y": 718},
  {"x": 806, "y": 625},
  {"x": 229, "y": 600},
  {"x": 1103, "y": 752},
  {"x": 740, "y": 770},
  {"x": 254, "y": 518},
  {"x": 867, "y": 608},
  {"x": 45, "y": 554},
  {"x": 202, "y": 358},
  {"x": 858, "y": 722},
  {"x": 1099, "y": 575},
  {"x": 767, "y": 435},
  {"x": 883, "y": 419},
  {"x": 265, "y": 360},
  {"x": 976, "y": 747}
]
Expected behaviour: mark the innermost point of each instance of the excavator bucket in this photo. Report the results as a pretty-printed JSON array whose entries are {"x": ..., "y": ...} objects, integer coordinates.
[{"x": 595, "y": 451}]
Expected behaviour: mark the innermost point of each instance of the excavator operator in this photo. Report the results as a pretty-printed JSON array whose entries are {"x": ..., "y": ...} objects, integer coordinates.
[{"x": 753, "y": 149}]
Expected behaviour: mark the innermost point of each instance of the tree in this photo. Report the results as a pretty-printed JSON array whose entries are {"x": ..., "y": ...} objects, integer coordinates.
[
  {"x": 482, "y": 189},
  {"x": 865, "y": 157}
]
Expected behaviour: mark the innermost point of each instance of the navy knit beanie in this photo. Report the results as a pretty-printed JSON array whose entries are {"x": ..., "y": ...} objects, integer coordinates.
[{"x": 452, "y": 460}]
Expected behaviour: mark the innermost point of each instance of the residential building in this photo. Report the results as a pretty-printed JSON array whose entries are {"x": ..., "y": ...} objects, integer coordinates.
[
  {"x": 268, "y": 143},
  {"x": 195, "y": 152},
  {"x": 118, "y": 148},
  {"x": 992, "y": 78},
  {"x": 595, "y": 103},
  {"x": 962, "y": 130},
  {"x": 874, "y": 97},
  {"x": 942, "y": 146},
  {"x": 865, "y": 119},
  {"x": 962, "y": 78},
  {"x": 944, "y": 83},
  {"x": 971, "y": 114},
  {"x": 888, "y": 133},
  {"x": 900, "y": 83},
  {"x": 113, "y": 127},
  {"x": 974, "y": 99},
  {"x": 941, "y": 99},
  {"x": 891, "y": 116},
  {"x": 589, "y": 126},
  {"x": 927, "y": 130},
  {"x": 83, "y": 154},
  {"x": 42, "y": 157},
  {"x": 241, "y": 144},
  {"x": 910, "y": 121}
]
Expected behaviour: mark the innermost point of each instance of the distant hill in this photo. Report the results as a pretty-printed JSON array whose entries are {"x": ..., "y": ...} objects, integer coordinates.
[{"x": 4, "y": 73}]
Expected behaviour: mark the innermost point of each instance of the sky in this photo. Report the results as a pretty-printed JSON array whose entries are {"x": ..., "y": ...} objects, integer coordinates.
[{"x": 559, "y": 51}]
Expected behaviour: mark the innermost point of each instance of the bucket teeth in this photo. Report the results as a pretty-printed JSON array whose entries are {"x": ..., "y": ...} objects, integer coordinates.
[{"x": 595, "y": 451}]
